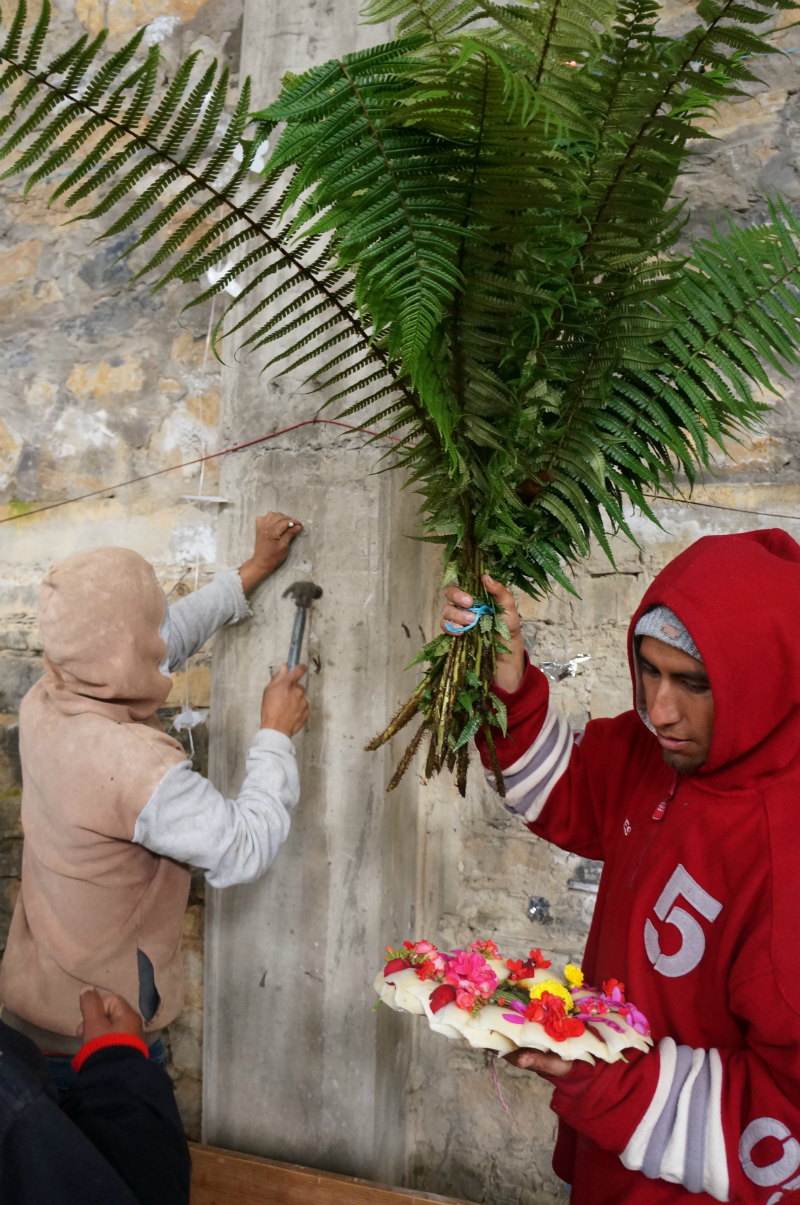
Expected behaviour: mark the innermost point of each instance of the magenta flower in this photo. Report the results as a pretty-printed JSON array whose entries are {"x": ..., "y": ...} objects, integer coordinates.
[
  {"x": 471, "y": 976},
  {"x": 635, "y": 1019}
]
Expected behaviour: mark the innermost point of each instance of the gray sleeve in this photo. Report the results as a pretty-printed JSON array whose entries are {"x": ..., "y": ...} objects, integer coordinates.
[
  {"x": 233, "y": 840},
  {"x": 190, "y": 621}
]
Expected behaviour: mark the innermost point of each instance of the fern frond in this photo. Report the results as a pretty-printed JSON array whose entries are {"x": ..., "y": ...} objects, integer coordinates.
[
  {"x": 467, "y": 237},
  {"x": 149, "y": 146}
]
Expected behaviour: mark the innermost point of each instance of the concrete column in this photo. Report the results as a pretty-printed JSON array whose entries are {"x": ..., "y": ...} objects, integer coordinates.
[{"x": 297, "y": 1066}]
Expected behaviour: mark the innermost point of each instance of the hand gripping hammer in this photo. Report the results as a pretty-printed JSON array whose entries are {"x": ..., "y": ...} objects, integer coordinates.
[{"x": 303, "y": 594}]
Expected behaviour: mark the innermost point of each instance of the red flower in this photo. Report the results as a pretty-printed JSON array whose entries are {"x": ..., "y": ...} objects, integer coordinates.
[
  {"x": 427, "y": 969},
  {"x": 608, "y": 989},
  {"x": 539, "y": 960},
  {"x": 527, "y": 969},
  {"x": 536, "y": 1011},
  {"x": 561, "y": 1028},
  {"x": 442, "y": 995},
  {"x": 550, "y": 1011},
  {"x": 396, "y": 964}
]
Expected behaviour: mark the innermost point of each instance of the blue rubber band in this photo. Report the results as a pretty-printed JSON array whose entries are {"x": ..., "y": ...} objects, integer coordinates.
[{"x": 477, "y": 610}]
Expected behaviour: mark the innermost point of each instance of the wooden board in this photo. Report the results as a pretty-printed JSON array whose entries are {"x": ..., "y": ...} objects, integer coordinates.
[{"x": 227, "y": 1178}]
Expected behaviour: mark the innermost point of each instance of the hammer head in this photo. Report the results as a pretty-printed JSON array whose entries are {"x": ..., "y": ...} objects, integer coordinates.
[{"x": 303, "y": 593}]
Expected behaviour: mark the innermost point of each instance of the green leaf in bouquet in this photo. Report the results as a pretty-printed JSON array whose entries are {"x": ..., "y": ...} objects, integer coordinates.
[
  {"x": 468, "y": 731},
  {"x": 431, "y": 651},
  {"x": 501, "y": 626},
  {"x": 450, "y": 574},
  {"x": 501, "y": 712}
]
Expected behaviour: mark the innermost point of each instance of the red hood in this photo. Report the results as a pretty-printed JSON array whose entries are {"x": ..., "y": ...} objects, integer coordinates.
[{"x": 739, "y": 597}]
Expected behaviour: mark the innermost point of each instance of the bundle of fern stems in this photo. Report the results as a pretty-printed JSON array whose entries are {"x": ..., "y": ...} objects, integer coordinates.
[
  {"x": 469, "y": 237},
  {"x": 455, "y": 695}
]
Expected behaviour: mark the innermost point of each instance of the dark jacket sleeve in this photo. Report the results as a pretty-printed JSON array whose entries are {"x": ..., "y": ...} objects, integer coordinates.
[
  {"x": 42, "y": 1156},
  {"x": 125, "y": 1106}
]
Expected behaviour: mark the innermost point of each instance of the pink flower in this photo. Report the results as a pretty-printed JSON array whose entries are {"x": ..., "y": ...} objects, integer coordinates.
[
  {"x": 425, "y": 947},
  {"x": 472, "y": 977},
  {"x": 423, "y": 956},
  {"x": 465, "y": 998},
  {"x": 486, "y": 948},
  {"x": 635, "y": 1019},
  {"x": 591, "y": 1007}
]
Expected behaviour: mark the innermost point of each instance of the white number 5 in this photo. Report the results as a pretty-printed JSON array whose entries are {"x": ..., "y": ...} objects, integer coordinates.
[{"x": 693, "y": 946}]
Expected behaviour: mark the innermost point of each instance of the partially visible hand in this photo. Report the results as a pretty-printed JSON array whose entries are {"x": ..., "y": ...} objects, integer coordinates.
[
  {"x": 274, "y": 535},
  {"x": 284, "y": 705},
  {"x": 106, "y": 1014},
  {"x": 551, "y": 1066},
  {"x": 510, "y": 666}
]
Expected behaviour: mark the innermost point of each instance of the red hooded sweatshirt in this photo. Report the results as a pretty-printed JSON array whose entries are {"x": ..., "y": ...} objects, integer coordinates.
[{"x": 698, "y": 909}]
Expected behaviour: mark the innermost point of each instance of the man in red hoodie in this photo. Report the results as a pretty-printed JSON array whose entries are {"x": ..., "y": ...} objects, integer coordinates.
[{"x": 692, "y": 801}]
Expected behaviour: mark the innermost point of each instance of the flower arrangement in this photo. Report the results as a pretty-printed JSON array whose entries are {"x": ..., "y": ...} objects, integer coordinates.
[{"x": 503, "y": 1004}]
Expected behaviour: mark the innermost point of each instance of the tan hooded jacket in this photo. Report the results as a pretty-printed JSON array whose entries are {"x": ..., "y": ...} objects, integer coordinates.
[{"x": 92, "y": 754}]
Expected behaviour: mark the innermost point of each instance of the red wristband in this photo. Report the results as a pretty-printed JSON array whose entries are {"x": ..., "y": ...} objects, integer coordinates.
[{"x": 108, "y": 1039}]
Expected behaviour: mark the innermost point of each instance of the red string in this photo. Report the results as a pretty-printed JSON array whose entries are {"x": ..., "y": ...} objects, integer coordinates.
[
  {"x": 496, "y": 1080},
  {"x": 334, "y": 422}
]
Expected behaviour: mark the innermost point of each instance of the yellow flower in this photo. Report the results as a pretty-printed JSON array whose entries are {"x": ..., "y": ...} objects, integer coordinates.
[
  {"x": 555, "y": 988},
  {"x": 573, "y": 975}
]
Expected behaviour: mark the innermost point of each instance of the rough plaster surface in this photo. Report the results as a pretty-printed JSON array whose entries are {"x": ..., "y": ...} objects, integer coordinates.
[
  {"x": 295, "y": 1059},
  {"x": 99, "y": 384}
]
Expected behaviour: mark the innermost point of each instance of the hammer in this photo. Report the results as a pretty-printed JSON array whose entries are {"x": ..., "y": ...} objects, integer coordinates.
[{"x": 303, "y": 594}]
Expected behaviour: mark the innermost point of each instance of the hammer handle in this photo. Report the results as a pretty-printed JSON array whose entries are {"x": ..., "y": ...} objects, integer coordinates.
[{"x": 297, "y": 637}]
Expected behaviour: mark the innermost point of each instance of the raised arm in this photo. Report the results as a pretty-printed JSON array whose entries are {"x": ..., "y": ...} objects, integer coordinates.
[
  {"x": 549, "y": 781},
  {"x": 233, "y": 840},
  {"x": 190, "y": 621}
]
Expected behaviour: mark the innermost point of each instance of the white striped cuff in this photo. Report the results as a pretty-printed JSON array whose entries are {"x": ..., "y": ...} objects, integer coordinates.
[
  {"x": 680, "y": 1137},
  {"x": 532, "y": 777}
]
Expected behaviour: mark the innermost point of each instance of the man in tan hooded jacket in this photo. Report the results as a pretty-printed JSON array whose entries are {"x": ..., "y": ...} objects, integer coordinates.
[{"x": 111, "y": 807}]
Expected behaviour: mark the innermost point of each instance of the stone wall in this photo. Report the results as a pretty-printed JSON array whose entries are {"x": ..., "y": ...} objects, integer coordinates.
[{"x": 100, "y": 383}]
